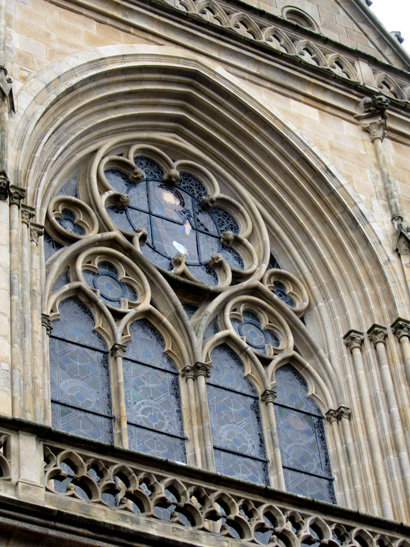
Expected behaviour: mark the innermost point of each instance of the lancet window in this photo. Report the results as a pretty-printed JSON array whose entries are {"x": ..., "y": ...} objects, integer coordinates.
[{"x": 146, "y": 263}]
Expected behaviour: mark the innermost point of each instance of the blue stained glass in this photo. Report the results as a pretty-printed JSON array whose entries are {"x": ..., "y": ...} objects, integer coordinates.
[
  {"x": 70, "y": 187},
  {"x": 174, "y": 218},
  {"x": 191, "y": 184},
  {"x": 232, "y": 257},
  {"x": 251, "y": 329},
  {"x": 235, "y": 419},
  {"x": 51, "y": 246},
  {"x": 281, "y": 292},
  {"x": 152, "y": 395},
  {"x": 79, "y": 377},
  {"x": 150, "y": 168},
  {"x": 302, "y": 438},
  {"x": 62, "y": 280},
  {"x": 110, "y": 287},
  {"x": 69, "y": 222}
]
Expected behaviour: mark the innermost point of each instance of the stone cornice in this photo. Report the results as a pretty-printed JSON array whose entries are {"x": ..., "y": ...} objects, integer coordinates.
[{"x": 326, "y": 57}]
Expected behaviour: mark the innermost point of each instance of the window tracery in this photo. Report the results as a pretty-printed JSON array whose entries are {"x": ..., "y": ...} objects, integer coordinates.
[{"x": 126, "y": 233}]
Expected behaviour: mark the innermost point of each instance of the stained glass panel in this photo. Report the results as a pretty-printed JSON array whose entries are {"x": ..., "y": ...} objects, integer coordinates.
[
  {"x": 302, "y": 439},
  {"x": 51, "y": 246},
  {"x": 174, "y": 218},
  {"x": 235, "y": 419},
  {"x": 252, "y": 330},
  {"x": 152, "y": 395},
  {"x": 79, "y": 377}
]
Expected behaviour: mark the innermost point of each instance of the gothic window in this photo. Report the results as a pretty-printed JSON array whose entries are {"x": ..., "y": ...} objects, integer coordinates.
[
  {"x": 80, "y": 385},
  {"x": 302, "y": 441},
  {"x": 239, "y": 447},
  {"x": 158, "y": 256}
]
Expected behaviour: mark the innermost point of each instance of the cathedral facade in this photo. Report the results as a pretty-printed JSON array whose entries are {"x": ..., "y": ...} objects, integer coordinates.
[{"x": 205, "y": 275}]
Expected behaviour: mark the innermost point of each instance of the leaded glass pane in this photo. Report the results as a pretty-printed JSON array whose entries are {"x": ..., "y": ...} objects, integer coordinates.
[
  {"x": 68, "y": 221},
  {"x": 70, "y": 187},
  {"x": 292, "y": 390},
  {"x": 235, "y": 419},
  {"x": 174, "y": 218},
  {"x": 51, "y": 246},
  {"x": 309, "y": 485},
  {"x": 302, "y": 438},
  {"x": 227, "y": 371},
  {"x": 152, "y": 395},
  {"x": 79, "y": 377},
  {"x": 251, "y": 329},
  {"x": 241, "y": 467},
  {"x": 112, "y": 290}
]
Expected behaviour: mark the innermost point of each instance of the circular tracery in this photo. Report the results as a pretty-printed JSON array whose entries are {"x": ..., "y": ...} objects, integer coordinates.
[{"x": 176, "y": 220}]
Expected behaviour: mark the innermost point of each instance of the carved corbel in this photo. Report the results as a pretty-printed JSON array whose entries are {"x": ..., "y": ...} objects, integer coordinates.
[
  {"x": 6, "y": 89},
  {"x": 373, "y": 116},
  {"x": 16, "y": 194}
]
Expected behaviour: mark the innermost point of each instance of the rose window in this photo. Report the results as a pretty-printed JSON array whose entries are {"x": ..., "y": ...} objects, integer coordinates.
[{"x": 280, "y": 290}]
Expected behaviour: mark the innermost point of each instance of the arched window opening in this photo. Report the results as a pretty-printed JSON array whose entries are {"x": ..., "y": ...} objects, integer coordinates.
[
  {"x": 152, "y": 395},
  {"x": 80, "y": 383},
  {"x": 239, "y": 447},
  {"x": 302, "y": 441}
]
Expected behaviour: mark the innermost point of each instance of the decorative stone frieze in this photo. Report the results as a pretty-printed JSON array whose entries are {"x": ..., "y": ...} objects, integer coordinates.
[{"x": 353, "y": 339}]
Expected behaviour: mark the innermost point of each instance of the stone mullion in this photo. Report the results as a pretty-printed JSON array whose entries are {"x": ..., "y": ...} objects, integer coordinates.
[
  {"x": 117, "y": 352},
  {"x": 268, "y": 398},
  {"x": 27, "y": 213},
  {"x": 378, "y": 335},
  {"x": 354, "y": 341},
  {"x": 16, "y": 195},
  {"x": 35, "y": 232},
  {"x": 189, "y": 374},
  {"x": 201, "y": 373},
  {"x": 46, "y": 329}
]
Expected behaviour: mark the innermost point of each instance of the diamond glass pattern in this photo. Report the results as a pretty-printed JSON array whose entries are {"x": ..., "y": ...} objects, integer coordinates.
[
  {"x": 110, "y": 287},
  {"x": 235, "y": 419},
  {"x": 152, "y": 395},
  {"x": 174, "y": 218},
  {"x": 251, "y": 329},
  {"x": 302, "y": 439},
  {"x": 80, "y": 389}
]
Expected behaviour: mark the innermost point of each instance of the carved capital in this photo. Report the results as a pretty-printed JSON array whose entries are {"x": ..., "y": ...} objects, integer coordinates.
[
  {"x": 376, "y": 129},
  {"x": 4, "y": 186},
  {"x": 118, "y": 350},
  {"x": 36, "y": 231},
  {"x": 377, "y": 334},
  {"x": 188, "y": 372},
  {"x": 27, "y": 213},
  {"x": 401, "y": 327},
  {"x": 343, "y": 412},
  {"x": 16, "y": 194},
  {"x": 47, "y": 323},
  {"x": 268, "y": 396},
  {"x": 353, "y": 339},
  {"x": 202, "y": 369}
]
